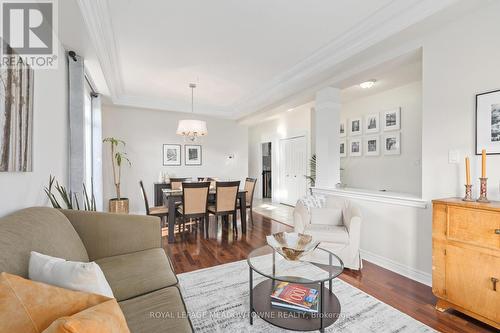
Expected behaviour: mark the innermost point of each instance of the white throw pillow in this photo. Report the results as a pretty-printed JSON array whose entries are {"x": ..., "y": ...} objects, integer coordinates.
[
  {"x": 330, "y": 216},
  {"x": 79, "y": 276}
]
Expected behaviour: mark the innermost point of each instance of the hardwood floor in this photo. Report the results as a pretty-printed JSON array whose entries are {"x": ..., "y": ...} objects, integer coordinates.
[{"x": 193, "y": 252}]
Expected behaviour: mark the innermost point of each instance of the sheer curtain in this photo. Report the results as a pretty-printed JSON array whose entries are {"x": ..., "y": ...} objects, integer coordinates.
[{"x": 85, "y": 133}]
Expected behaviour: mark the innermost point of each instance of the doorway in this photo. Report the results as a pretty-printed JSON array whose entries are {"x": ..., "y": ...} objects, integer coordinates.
[
  {"x": 293, "y": 169},
  {"x": 266, "y": 170}
]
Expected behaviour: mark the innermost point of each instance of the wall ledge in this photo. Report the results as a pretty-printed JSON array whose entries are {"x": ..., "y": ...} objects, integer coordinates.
[{"x": 399, "y": 199}]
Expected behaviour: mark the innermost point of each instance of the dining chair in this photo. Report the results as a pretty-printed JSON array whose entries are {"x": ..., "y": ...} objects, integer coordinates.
[
  {"x": 176, "y": 183},
  {"x": 160, "y": 211},
  {"x": 194, "y": 203},
  {"x": 250, "y": 189},
  {"x": 226, "y": 195}
]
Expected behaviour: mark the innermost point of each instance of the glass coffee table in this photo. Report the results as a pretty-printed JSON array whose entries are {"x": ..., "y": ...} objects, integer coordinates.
[{"x": 312, "y": 271}]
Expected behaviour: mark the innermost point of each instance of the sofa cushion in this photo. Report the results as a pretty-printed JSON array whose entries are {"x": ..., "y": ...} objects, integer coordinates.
[
  {"x": 74, "y": 275},
  {"x": 329, "y": 216},
  {"x": 134, "y": 274},
  {"x": 106, "y": 317},
  {"x": 40, "y": 229},
  {"x": 30, "y": 307},
  {"x": 160, "y": 311},
  {"x": 328, "y": 233}
]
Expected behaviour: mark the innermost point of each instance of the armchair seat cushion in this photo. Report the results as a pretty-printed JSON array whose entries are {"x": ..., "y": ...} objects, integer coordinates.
[
  {"x": 138, "y": 273},
  {"x": 166, "y": 304},
  {"x": 328, "y": 233}
]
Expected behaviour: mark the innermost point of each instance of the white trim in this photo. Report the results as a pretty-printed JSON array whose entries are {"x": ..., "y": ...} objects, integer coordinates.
[
  {"x": 384, "y": 197},
  {"x": 100, "y": 28},
  {"x": 409, "y": 272}
]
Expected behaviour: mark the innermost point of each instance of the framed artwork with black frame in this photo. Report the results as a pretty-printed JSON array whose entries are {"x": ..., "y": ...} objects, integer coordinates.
[
  {"x": 192, "y": 155},
  {"x": 171, "y": 155},
  {"x": 488, "y": 122}
]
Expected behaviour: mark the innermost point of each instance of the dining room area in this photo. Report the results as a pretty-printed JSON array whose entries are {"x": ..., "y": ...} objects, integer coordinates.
[
  {"x": 198, "y": 185},
  {"x": 188, "y": 205}
]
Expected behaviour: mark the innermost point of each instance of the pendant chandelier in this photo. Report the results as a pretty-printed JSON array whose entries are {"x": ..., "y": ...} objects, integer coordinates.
[{"x": 191, "y": 129}]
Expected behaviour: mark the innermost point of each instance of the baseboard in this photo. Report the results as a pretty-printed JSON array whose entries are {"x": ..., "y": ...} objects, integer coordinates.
[{"x": 409, "y": 272}]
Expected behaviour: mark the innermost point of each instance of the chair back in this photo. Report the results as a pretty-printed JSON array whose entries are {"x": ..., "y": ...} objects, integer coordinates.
[
  {"x": 195, "y": 198},
  {"x": 226, "y": 195},
  {"x": 250, "y": 189},
  {"x": 176, "y": 183},
  {"x": 144, "y": 197}
]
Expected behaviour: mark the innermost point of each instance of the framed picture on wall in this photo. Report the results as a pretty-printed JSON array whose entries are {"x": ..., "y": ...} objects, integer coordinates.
[
  {"x": 488, "y": 122},
  {"x": 372, "y": 123},
  {"x": 355, "y": 126},
  {"x": 355, "y": 147},
  {"x": 392, "y": 144},
  {"x": 171, "y": 155},
  {"x": 343, "y": 152},
  {"x": 372, "y": 145},
  {"x": 342, "y": 129},
  {"x": 392, "y": 119},
  {"x": 192, "y": 155}
]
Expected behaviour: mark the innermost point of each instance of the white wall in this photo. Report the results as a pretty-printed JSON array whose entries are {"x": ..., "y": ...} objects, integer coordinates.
[
  {"x": 281, "y": 126},
  {"x": 395, "y": 173},
  {"x": 50, "y": 146},
  {"x": 460, "y": 59},
  {"x": 145, "y": 131}
]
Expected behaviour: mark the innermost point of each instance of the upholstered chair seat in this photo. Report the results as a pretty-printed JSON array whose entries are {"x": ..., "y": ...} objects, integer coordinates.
[{"x": 335, "y": 222}]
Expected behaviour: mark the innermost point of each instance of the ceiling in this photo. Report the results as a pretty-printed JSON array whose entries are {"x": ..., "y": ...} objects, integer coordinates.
[
  {"x": 244, "y": 55},
  {"x": 396, "y": 72},
  {"x": 388, "y": 75}
]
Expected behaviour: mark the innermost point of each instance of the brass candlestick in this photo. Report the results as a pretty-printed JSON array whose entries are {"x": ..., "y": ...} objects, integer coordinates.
[
  {"x": 468, "y": 193},
  {"x": 483, "y": 190}
]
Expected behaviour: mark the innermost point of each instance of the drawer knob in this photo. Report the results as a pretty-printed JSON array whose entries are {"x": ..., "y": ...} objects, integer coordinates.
[
  {"x": 497, "y": 231},
  {"x": 494, "y": 281}
]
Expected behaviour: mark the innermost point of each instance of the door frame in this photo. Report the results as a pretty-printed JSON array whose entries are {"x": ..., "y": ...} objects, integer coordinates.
[{"x": 280, "y": 168}]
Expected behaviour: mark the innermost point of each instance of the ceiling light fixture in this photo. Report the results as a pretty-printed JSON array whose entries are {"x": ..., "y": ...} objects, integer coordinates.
[
  {"x": 290, "y": 110},
  {"x": 367, "y": 84},
  {"x": 191, "y": 129}
]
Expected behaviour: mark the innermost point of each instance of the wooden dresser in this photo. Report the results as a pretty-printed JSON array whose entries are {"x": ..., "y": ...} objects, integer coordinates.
[{"x": 466, "y": 258}]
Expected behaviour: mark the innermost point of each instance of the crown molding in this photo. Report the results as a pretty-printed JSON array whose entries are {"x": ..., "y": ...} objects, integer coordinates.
[
  {"x": 387, "y": 21},
  {"x": 99, "y": 26},
  {"x": 311, "y": 72}
]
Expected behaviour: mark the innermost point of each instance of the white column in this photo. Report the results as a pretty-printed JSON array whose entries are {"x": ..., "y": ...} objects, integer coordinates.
[{"x": 327, "y": 137}]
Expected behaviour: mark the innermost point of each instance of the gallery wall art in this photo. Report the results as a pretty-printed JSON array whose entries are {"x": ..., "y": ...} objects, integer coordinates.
[
  {"x": 16, "y": 117},
  {"x": 488, "y": 122},
  {"x": 371, "y": 144},
  {"x": 192, "y": 154},
  {"x": 171, "y": 155}
]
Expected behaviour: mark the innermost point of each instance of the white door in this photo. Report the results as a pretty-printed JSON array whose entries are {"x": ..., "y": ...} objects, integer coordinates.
[{"x": 293, "y": 168}]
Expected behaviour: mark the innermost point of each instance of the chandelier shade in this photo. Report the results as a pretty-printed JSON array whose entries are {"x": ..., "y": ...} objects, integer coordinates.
[{"x": 192, "y": 128}]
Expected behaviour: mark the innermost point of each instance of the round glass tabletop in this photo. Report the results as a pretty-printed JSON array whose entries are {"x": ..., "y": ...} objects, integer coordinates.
[{"x": 317, "y": 266}]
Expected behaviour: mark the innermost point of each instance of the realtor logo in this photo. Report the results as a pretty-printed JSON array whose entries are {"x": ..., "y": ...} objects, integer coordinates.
[{"x": 28, "y": 33}]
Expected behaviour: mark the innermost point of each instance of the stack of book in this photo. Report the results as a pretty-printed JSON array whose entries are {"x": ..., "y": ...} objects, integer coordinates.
[{"x": 295, "y": 297}]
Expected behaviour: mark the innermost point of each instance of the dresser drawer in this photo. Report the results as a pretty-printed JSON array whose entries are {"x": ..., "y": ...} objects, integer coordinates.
[
  {"x": 469, "y": 281},
  {"x": 474, "y": 226}
]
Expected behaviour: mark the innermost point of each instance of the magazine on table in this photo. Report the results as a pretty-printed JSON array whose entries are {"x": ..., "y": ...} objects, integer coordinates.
[
  {"x": 295, "y": 308},
  {"x": 295, "y": 294}
]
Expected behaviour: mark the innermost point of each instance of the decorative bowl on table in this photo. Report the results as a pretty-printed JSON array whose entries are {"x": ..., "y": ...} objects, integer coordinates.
[{"x": 292, "y": 245}]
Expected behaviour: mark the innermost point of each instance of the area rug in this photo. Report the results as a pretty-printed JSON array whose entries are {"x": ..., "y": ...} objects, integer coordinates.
[{"x": 217, "y": 301}]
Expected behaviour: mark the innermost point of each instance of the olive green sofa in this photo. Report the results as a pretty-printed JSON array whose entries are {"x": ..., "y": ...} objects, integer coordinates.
[{"x": 126, "y": 247}]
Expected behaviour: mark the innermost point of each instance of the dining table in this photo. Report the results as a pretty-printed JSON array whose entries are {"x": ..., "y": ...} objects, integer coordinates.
[{"x": 172, "y": 197}]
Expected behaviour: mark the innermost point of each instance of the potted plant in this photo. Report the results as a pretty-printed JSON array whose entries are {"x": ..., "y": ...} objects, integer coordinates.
[{"x": 118, "y": 204}]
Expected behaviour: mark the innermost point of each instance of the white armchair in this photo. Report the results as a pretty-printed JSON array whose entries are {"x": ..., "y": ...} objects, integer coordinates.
[{"x": 337, "y": 225}]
